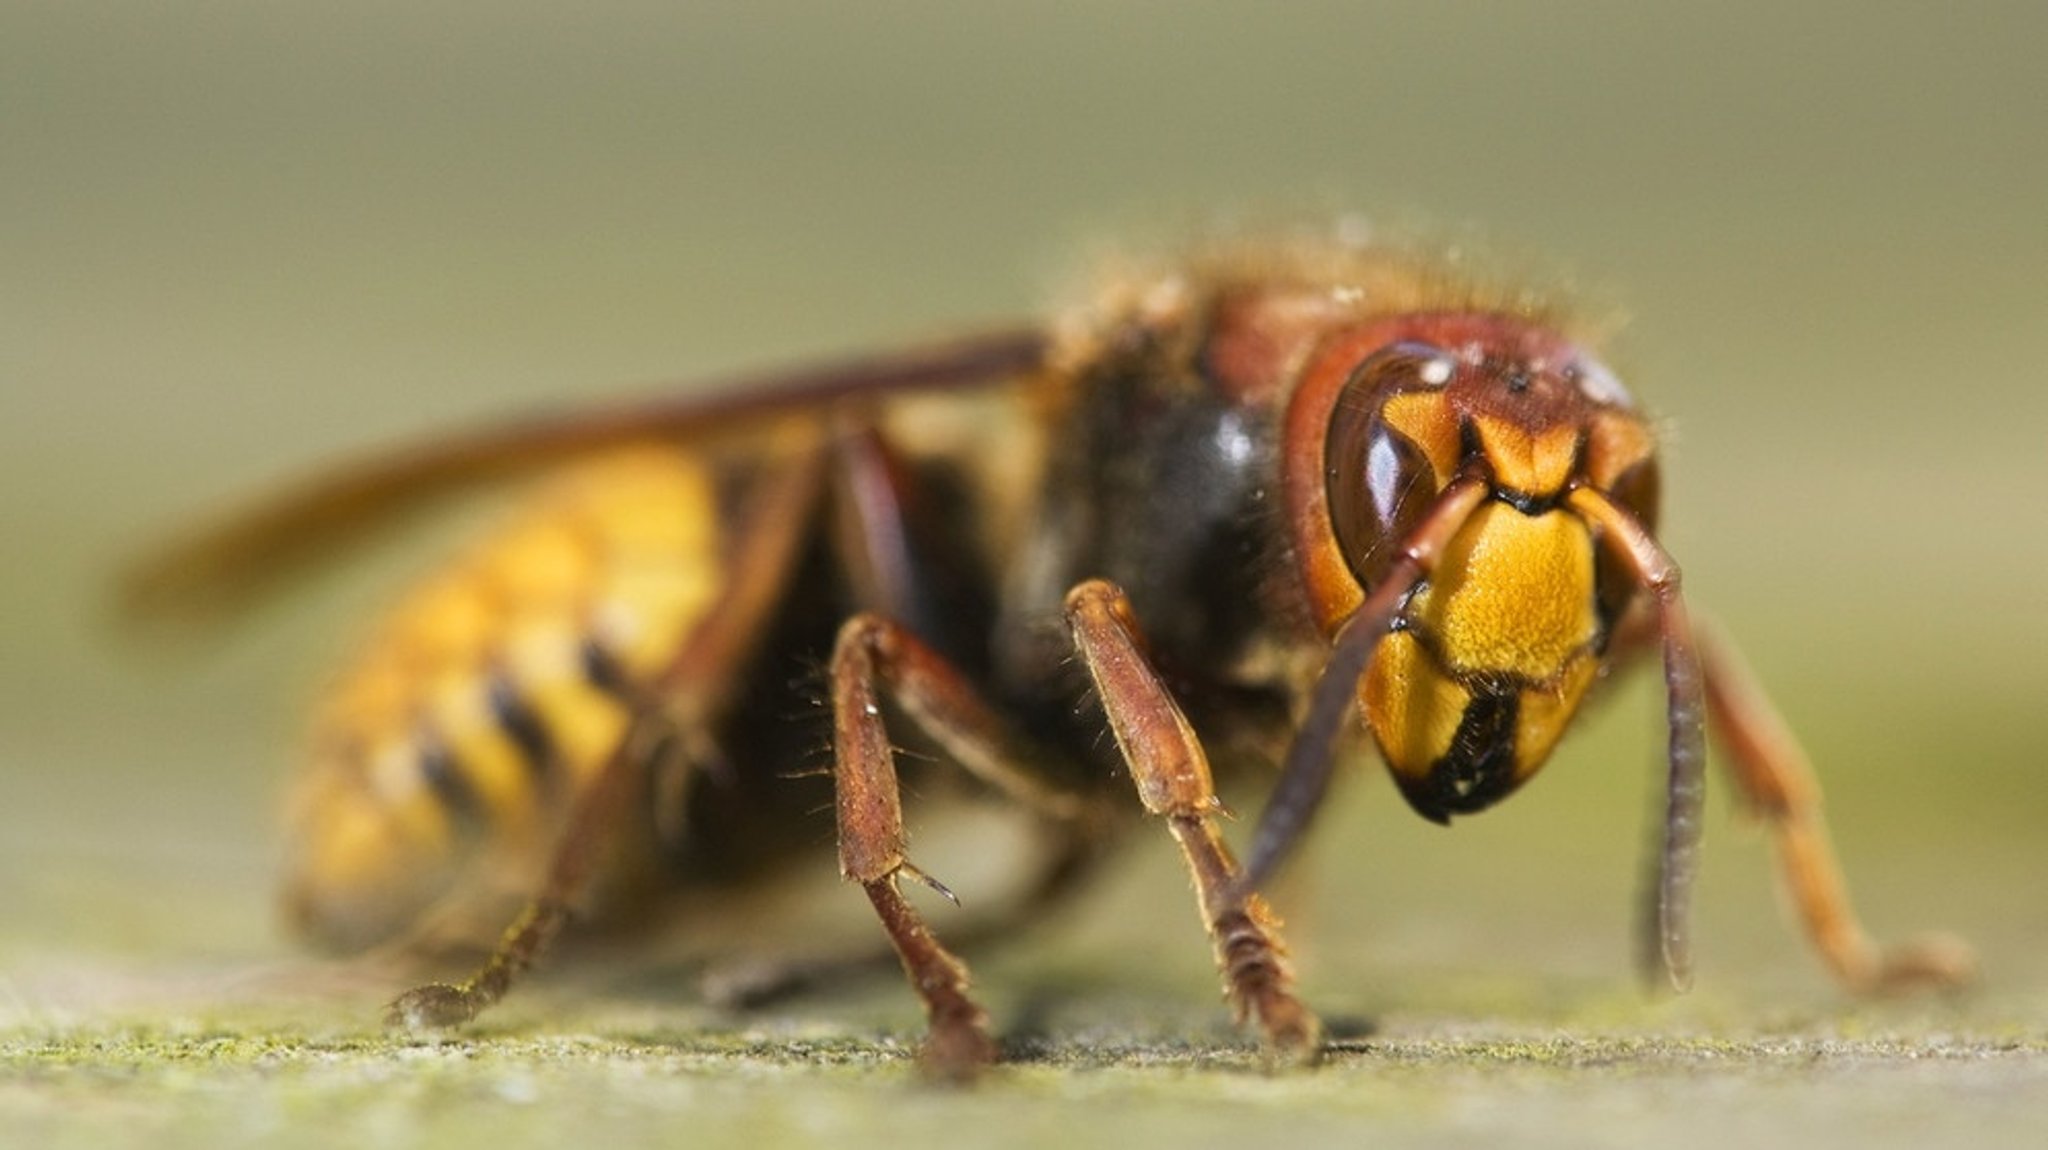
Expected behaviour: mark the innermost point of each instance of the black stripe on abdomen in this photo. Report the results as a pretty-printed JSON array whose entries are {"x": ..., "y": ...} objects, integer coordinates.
[
  {"x": 445, "y": 777},
  {"x": 523, "y": 727}
]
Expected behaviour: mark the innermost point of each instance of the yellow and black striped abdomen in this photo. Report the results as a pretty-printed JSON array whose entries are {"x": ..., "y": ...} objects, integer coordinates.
[{"x": 443, "y": 759}]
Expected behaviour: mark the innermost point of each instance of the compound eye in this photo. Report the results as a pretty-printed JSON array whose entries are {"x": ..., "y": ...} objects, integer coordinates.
[
  {"x": 1599, "y": 384},
  {"x": 1379, "y": 482}
]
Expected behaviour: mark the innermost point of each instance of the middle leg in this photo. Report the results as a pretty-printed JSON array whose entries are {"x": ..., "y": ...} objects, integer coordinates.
[{"x": 875, "y": 654}]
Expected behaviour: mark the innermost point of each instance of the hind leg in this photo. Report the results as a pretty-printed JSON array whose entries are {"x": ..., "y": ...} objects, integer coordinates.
[{"x": 663, "y": 738}]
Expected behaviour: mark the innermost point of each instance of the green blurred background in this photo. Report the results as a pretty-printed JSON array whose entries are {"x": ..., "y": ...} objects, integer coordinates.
[{"x": 239, "y": 239}]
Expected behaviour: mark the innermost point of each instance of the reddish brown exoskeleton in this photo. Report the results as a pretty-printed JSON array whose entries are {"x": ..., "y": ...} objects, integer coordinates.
[{"x": 1258, "y": 494}]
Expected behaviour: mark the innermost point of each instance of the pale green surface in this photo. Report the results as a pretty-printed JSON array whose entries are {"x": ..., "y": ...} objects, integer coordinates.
[{"x": 235, "y": 239}]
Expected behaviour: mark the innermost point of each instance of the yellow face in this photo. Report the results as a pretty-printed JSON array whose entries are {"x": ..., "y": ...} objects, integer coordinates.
[
  {"x": 1489, "y": 658},
  {"x": 1470, "y": 694}
]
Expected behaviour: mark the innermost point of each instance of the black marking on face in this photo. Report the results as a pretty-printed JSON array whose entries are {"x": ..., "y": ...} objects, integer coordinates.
[{"x": 1479, "y": 768}]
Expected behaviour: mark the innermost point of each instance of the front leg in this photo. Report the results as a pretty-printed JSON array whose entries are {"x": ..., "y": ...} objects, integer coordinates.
[
  {"x": 1172, "y": 776},
  {"x": 1777, "y": 783}
]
